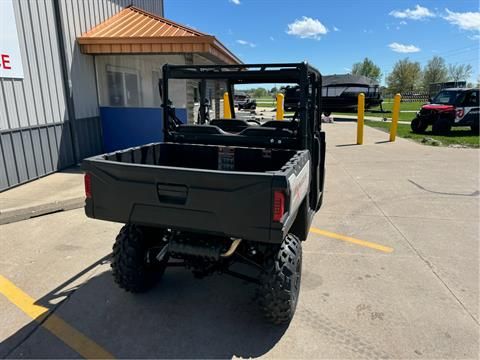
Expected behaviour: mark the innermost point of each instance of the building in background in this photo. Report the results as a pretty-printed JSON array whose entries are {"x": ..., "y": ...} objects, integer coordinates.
[{"x": 80, "y": 78}]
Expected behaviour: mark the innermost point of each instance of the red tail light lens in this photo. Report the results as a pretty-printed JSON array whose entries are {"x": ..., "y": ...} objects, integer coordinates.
[
  {"x": 88, "y": 185},
  {"x": 278, "y": 205}
]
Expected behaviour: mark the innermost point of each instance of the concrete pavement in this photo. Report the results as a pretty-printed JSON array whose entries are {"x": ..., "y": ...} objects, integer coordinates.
[
  {"x": 59, "y": 191},
  {"x": 418, "y": 302}
]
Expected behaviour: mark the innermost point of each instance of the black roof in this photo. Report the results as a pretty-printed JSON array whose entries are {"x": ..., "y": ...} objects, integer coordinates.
[
  {"x": 243, "y": 73},
  {"x": 458, "y": 89},
  {"x": 347, "y": 79}
]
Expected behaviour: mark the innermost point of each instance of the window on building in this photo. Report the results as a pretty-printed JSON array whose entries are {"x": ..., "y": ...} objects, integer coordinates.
[
  {"x": 132, "y": 81},
  {"x": 123, "y": 87}
]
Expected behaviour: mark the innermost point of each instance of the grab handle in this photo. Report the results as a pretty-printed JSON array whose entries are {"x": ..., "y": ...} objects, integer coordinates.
[{"x": 172, "y": 193}]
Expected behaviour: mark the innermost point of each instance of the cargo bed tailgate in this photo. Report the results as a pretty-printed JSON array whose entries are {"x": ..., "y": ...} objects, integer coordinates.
[{"x": 235, "y": 204}]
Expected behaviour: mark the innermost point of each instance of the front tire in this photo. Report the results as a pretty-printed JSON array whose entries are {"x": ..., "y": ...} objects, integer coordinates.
[
  {"x": 418, "y": 125},
  {"x": 280, "y": 281},
  {"x": 132, "y": 271}
]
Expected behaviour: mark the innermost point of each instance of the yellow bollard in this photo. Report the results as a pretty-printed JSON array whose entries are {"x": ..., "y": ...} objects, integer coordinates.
[
  {"x": 227, "y": 113},
  {"x": 360, "y": 118},
  {"x": 280, "y": 110},
  {"x": 395, "y": 116}
]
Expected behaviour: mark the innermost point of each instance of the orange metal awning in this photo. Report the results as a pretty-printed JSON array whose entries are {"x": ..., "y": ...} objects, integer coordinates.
[{"x": 136, "y": 31}]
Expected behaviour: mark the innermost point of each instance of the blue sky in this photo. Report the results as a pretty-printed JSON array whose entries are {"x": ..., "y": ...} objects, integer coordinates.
[{"x": 334, "y": 34}]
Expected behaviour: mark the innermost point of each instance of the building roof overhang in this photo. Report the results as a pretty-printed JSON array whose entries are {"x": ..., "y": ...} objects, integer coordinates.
[{"x": 136, "y": 31}]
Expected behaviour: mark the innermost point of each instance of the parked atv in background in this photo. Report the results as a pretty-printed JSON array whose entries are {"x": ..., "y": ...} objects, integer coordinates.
[
  {"x": 450, "y": 107},
  {"x": 247, "y": 104}
]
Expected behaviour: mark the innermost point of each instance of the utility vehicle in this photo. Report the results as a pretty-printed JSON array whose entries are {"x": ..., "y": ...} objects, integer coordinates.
[
  {"x": 224, "y": 197},
  {"x": 450, "y": 107},
  {"x": 243, "y": 101}
]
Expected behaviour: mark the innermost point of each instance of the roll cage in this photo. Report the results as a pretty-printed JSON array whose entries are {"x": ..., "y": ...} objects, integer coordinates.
[{"x": 307, "y": 77}]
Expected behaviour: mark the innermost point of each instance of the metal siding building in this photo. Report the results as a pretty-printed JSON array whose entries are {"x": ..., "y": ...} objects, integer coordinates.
[{"x": 44, "y": 125}]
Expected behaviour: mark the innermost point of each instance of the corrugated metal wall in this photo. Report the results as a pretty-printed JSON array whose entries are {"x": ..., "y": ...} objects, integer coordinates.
[{"x": 36, "y": 136}]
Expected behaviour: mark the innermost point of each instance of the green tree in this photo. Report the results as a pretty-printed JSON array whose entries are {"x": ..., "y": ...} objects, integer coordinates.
[
  {"x": 460, "y": 72},
  {"x": 434, "y": 72},
  {"x": 367, "y": 68},
  {"x": 274, "y": 90},
  {"x": 405, "y": 76},
  {"x": 259, "y": 92}
]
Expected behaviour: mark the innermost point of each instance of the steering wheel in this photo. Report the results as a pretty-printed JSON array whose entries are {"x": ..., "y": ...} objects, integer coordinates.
[{"x": 255, "y": 121}]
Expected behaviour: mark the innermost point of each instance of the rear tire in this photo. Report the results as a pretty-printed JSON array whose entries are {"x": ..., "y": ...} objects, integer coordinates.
[
  {"x": 280, "y": 281},
  {"x": 442, "y": 126},
  {"x": 131, "y": 270},
  {"x": 418, "y": 126}
]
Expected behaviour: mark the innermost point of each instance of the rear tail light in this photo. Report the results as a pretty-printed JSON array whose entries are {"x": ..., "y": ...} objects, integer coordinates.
[
  {"x": 278, "y": 205},
  {"x": 88, "y": 185}
]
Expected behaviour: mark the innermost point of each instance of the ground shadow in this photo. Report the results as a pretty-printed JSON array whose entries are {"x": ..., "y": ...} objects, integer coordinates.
[
  {"x": 338, "y": 118},
  {"x": 344, "y": 145},
  {"x": 180, "y": 318},
  {"x": 72, "y": 170}
]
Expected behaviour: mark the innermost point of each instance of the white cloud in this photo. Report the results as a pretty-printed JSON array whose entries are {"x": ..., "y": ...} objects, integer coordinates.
[
  {"x": 272, "y": 38},
  {"x": 307, "y": 28},
  {"x": 403, "y": 22},
  {"x": 336, "y": 29},
  {"x": 465, "y": 21},
  {"x": 246, "y": 43},
  {"x": 474, "y": 37},
  {"x": 236, "y": 2},
  {"x": 347, "y": 69},
  {"x": 419, "y": 13},
  {"x": 402, "y": 48}
]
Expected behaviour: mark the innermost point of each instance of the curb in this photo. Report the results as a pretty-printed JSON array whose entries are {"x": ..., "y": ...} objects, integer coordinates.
[
  {"x": 14, "y": 215},
  {"x": 370, "y": 118}
]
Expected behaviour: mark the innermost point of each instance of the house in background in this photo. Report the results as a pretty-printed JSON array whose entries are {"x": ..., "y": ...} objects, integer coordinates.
[{"x": 87, "y": 80}]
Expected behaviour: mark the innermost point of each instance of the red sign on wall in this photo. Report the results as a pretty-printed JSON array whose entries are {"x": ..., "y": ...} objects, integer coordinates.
[{"x": 10, "y": 57}]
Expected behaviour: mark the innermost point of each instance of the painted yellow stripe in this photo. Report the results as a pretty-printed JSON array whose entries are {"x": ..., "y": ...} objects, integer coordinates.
[
  {"x": 58, "y": 327},
  {"x": 352, "y": 240}
]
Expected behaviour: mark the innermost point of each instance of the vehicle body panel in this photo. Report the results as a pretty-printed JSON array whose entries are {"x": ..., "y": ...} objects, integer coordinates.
[{"x": 228, "y": 203}]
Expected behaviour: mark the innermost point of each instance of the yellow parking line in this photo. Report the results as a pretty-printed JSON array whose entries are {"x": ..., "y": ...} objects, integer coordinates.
[
  {"x": 58, "y": 327},
  {"x": 352, "y": 240}
]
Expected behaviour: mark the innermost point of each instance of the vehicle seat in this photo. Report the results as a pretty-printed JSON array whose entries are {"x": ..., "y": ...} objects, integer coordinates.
[
  {"x": 230, "y": 125},
  {"x": 289, "y": 125},
  {"x": 267, "y": 132},
  {"x": 199, "y": 129}
]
